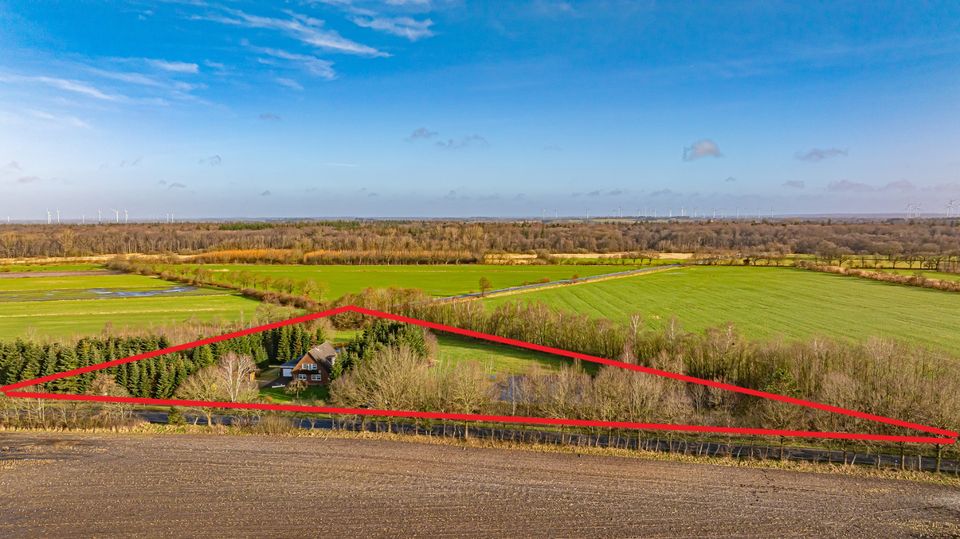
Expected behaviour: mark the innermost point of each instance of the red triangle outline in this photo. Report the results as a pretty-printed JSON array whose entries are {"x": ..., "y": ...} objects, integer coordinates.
[{"x": 944, "y": 436}]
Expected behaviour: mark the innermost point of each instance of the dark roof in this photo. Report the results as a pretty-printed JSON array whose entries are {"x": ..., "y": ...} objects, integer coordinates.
[
  {"x": 324, "y": 354},
  {"x": 323, "y": 351}
]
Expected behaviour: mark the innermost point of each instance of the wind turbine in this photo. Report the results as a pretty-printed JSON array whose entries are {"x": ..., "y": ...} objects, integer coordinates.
[
  {"x": 951, "y": 206},
  {"x": 126, "y": 216},
  {"x": 58, "y": 216},
  {"x": 914, "y": 209},
  {"x": 48, "y": 217},
  {"x": 99, "y": 216},
  {"x": 116, "y": 215}
]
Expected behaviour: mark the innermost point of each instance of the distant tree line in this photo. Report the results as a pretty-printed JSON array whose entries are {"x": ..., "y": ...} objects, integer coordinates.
[
  {"x": 916, "y": 279},
  {"x": 429, "y": 242}
]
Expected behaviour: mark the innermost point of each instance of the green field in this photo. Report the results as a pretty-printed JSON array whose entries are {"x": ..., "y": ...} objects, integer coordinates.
[
  {"x": 767, "y": 303},
  {"x": 20, "y": 268},
  {"x": 494, "y": 358},
  {"x": 436, "y": 280},
  {"x": 84, "y": 305}
]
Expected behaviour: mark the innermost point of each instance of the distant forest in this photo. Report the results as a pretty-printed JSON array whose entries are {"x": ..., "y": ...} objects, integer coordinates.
[{"x": 468, "y": 241}]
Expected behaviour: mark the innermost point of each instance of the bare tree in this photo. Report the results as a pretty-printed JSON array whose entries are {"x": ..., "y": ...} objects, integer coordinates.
[
  {"x": 231, "y": 379},
  {"x": 236, "y": 372}
]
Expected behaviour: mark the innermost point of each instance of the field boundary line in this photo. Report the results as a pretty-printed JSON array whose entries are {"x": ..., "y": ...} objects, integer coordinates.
[{"x": 949, "y": 436}]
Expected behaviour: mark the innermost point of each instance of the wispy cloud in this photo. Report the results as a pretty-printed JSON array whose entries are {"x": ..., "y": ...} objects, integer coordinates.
[
  {"x": 701, "y": 148},
  {"x": 729, "y": 179},
  {"x": 311, "y": 64},
  {"x": 174, "y": 67},
  {"x": 266, "y": 193},
  {"x": 899, "y": 185},
  {"x": 422, "y": 133},
  {"x": 795, "y": 184},
  {"x": 177, "y": 185},
  {"x": 860, "y": 187},
  {"x": 463, "y": 142},
  {"x": 307, "y": 30},
  {"x": 29, "y": 179},
  {"x": 270, "y": 117},
  {"x": 68, "y": 85},
  {"x": 289, "y": 83},
  {"x": 819, "y": 154},
  {"x": 407, "y": 27},
  {"x": 213, "y": 161},
  {"x": 65, "y": 120}
]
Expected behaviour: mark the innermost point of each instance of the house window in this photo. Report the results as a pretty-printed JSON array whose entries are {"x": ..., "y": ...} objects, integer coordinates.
[
  {"x": 316, "y": 377},
  {"x": 301, "y": 376}
]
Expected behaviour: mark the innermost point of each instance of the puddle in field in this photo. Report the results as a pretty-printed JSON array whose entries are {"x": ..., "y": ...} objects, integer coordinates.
[
  {"x": 92, "y": 293},
  {"x": 113, "y": 293}
]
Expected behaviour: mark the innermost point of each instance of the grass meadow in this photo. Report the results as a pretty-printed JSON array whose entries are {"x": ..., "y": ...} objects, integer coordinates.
[
  {"x": 436, "y": 280},
  {"x": 86, "y": 304},
  {"x": 767, "y": 303}
]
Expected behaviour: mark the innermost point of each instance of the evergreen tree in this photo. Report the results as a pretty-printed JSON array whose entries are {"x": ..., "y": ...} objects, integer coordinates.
[
  {"x": 32, "y": 360},
  {"x": 66, "y": 361}
]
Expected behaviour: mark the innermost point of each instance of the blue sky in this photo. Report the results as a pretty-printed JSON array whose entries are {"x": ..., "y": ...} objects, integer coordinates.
[{"x": 330, "y": 108}]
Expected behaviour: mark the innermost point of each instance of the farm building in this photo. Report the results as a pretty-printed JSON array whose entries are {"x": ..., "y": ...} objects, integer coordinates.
[{"x": 314, "y": 367}]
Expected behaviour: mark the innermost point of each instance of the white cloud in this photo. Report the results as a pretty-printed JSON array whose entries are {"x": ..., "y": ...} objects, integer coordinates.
[
  {"x": 422, "y": 133},
  {"x": 307, "y": 30},
  {"x": 819, "y": 154},
  {"x": 64, "y": 119},
  {"x": 701, "y": 148},
  {"x": 213, "y": 160},
  {"x": 313, "y": 65},
  {"x": 174, "y": 67},
  {"x": 68, "y": 85},
  {"x": 463, "y": 142},
  {"x": 289, "y": 83},
  {"x": 407, "y": 27}
]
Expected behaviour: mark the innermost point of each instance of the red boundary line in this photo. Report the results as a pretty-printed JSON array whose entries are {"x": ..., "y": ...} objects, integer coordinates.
[
  {"x": 10, "y": 390},
  {"x": 525, "y": 420}
]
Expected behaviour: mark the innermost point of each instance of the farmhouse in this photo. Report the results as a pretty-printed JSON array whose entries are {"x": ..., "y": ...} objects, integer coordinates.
[{"x": 314, "y": 367}]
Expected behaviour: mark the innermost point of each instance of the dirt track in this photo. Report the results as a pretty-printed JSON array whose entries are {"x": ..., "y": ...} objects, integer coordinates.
[{"x": 81, "y": 485}]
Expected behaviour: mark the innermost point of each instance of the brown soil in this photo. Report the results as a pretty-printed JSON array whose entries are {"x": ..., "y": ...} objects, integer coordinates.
[{"x": 202, "y": 485}]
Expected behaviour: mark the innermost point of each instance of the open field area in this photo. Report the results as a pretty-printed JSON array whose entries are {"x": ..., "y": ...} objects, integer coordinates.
[
  {"x": 436, "y": 280},
  {"x": 64, "y": 306},
  {"x": 494, "y": 358},
  {"x": 189, "y": 485},
  {"x": 768, "y": 302},
  {"x": 19, "y": 268}
]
